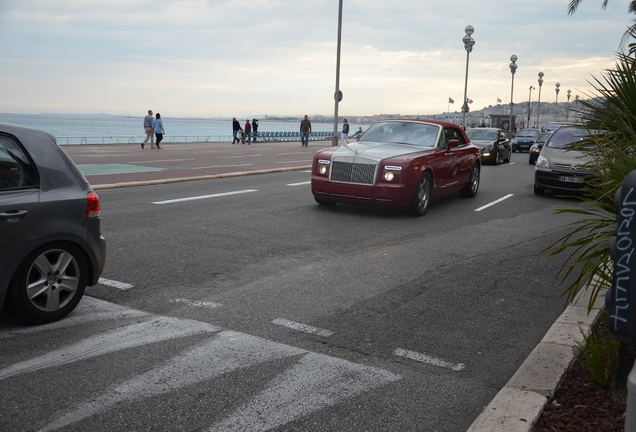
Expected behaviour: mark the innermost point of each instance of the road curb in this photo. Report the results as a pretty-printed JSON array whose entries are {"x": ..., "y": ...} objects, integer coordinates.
[
  {"x": 519, "y": 404},
  {"x": 197, "y": 178}
]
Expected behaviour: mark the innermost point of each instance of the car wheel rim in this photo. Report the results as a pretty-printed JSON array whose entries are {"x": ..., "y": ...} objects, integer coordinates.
[
  {"x": 424, "y": 193},
  {"x": 52, "y": 280},
  {"x": 474, "y": 179}
]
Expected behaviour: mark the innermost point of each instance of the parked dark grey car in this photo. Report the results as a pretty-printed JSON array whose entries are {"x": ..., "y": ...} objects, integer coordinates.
[{"x": 51, "y": 245}]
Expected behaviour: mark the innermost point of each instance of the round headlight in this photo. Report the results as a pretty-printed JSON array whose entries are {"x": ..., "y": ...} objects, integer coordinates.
[
  {"x": 389, "y": 176},
  {"x": 543, "y": 162},
  {"x": 322, "y": 170}
]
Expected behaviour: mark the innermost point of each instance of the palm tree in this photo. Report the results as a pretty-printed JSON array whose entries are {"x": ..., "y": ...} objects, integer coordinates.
[{"x": 574, "y": 4}]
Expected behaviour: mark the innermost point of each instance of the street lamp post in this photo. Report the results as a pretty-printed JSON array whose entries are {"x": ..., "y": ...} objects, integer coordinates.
[
  {"x": 468, "y": 46},
  {"x": 567, "y": 112},
  {"x": 529, "y": 98},
  {"x": 513, "y": 69},
  {"x": 557, "y": 85},
  {"x": 540, "y": 81},
  {"x": 338, "y": 94}
]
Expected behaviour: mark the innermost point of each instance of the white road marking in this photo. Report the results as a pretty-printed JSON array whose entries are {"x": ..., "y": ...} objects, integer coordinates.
[
  {"x": 198, "y": 303},
  {"x": 299, "y": 184},
  {"x": 146, "y": 332},
  {"x": 316, "y": 381},
  {"x": 302, "y": 327},
  {"x": 226, "y": 352},
  {"x": 494, "y": 202},
  {"x": 205, "y": 196},
  {"x": 115, "y": 284},
  {"x": 161, "y": 160},
  {"x": 293, "y": 153},
  {"x": 89, "y": 310},
  {"x": 239, "y": 156},
  {"x": 296, "y": 161},
  {"x": 424, "y": 358},
  {"x": 221, "y": 166}
]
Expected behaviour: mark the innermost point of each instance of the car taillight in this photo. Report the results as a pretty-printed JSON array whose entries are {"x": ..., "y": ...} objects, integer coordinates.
[{"x": 93, "y": 207}]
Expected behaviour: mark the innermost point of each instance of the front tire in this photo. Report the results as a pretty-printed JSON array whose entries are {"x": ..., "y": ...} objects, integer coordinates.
[
  {"x": 48, "y": 284},
  {"x": 507, "y": 159},
  {"x": 496, "y": 160},
  {"x": 422, "y": 196},
  {"x": 473, "y": 185}
]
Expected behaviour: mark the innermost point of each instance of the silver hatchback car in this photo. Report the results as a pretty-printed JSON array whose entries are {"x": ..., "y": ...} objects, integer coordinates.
[{"x": 51, "y": 246}]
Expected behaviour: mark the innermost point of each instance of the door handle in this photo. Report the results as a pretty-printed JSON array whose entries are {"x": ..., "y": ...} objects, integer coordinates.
[{"x": 13, "y": 216}]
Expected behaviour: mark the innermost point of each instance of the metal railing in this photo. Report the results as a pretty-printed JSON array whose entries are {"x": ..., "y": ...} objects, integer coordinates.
[{"x": 122, "y": 139}]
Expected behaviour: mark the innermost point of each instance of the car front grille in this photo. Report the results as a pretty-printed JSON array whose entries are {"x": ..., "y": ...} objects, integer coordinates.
[{"x": 348, "y": 172}]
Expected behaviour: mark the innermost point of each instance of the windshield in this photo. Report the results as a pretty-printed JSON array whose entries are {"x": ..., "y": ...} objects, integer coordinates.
[
  {"x": 566, "y": 136},
  {"x": 481, "y": 134},
  {"x": 414, "y": 133},
  {"x": 528, "y": 133},
  {"x": 544, "y": 137}
]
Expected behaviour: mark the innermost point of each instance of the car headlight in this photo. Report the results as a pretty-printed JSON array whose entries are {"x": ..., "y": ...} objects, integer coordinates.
[
  {"x": 323, "y": 166},
  {"x": 543, "y": 162},
  {"x": 390, "y": 172},
  {"x": 534, "y": 150},
  {"x": 515, "y": 141}
]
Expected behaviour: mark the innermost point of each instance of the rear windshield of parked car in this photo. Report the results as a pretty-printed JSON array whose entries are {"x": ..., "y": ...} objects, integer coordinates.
[{"x": 413, "y": 133}]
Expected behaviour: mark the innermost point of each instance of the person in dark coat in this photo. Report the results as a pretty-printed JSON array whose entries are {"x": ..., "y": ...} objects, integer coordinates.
[
  {"x": 248, "y": 132},
  {"x": 236, "y": 126},
  {"x": 255, "y": 129}
]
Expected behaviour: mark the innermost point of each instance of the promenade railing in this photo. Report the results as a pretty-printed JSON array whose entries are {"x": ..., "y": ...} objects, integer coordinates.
[{"x": 122, "y": 139}]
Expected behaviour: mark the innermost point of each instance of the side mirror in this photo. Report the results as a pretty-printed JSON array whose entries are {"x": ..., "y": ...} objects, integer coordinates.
[{"x": 452, "y": 144}]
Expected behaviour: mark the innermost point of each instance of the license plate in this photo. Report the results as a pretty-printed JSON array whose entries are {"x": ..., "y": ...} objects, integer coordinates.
[{"x": 568, "y": 179}]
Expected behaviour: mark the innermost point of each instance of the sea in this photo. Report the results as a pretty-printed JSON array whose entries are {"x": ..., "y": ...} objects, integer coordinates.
[{"x": 109, "y": 129}]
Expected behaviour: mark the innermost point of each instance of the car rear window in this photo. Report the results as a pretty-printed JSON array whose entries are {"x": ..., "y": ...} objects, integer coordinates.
[
  {"x": 528, "y": 134},
  {"x": 481, "y": 134},
  {"x": 16, "y": 171}
]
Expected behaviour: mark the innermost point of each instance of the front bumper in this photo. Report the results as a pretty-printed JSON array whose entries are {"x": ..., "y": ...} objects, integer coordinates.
[
  {"x": 564, "y": 181},
  {"x": 381, "y": 194}
]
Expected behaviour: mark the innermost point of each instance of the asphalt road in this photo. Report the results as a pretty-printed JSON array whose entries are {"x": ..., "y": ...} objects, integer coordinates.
[{"x": 253, "y": 308}]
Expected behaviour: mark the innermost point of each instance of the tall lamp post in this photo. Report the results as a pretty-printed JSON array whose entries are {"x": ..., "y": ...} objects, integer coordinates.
[
  {"x": 513, "y": 69},
  {"x": 540, "y": 81},
  {"x": 468, "y": 46},
  {"x": 338, "y": 94},
  {"x": 529, "y": 98},
  {"x": 557, "y": 85},
  {"x": 567, "y": 112}
]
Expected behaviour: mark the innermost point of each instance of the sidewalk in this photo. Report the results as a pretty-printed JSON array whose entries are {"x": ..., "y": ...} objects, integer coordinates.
[
  {"x": 108, "y": 166},
  {"x": 518, "y": 404}
]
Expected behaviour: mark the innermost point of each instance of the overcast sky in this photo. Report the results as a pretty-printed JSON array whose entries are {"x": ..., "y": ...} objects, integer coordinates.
[{"x": 243, "y": 58}]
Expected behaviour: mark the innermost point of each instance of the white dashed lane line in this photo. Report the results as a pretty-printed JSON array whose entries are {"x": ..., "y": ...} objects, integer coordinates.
[
  {"x": 494, "y": 202},
  {"x": 302, "y": 327},
  {"x": 198, "y": 303},
  {"x": 424, "y": 358},
  {"x": 200, "y": 197},
  {"x": 115, "y": 284},
  {"x": 299, "y": 184}
]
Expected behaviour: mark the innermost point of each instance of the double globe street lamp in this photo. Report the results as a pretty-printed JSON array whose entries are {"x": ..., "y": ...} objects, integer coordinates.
[
  {"x": 513, "y": 69},
  {"x": 468, "y": 46},
  {"x": 540, "y": 81},
  {"x": 556, "y": 108}
]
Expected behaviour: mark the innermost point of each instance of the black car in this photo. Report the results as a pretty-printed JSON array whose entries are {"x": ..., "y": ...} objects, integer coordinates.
[
  {"x": 560, "y": 168},
  {"x": 51, "y": 245},
  {"x": 493, "y": 144},
  {"x": 524, "y": 139},
  {"x": 537, "y": 146}
]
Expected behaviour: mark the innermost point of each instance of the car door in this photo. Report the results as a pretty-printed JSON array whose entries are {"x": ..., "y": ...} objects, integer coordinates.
[
  {"x": 19, "y": 198},
  {"x": 460, "y": 159}
]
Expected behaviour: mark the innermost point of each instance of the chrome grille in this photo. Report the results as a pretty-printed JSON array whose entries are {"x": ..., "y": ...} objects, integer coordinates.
[{"x": 348, "y": 172}]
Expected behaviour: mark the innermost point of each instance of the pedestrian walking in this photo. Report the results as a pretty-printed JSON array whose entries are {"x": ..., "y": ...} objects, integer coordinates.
[
  {"x": 248, "y": 132},
  {"x": 305, "y": 130},
  {"x": 150, "y": 132},
  {"x": 159, "y": 131},
  {"x": 345, "y": 132},
  {"x": 236, "y": 127},
  {"x": 255, "y": 129}
]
